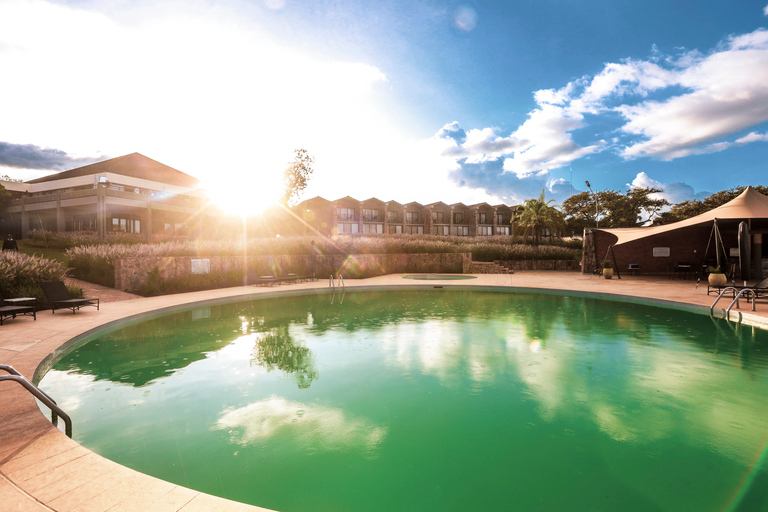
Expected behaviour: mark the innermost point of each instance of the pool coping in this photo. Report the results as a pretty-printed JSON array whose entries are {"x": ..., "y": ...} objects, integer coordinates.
[{"x": 42, "y": 469}]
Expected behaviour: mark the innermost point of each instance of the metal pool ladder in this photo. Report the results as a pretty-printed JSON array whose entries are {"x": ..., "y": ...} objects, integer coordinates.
[
  {"x": 748, "y": 291},
  {"x": 338, "y": 284},
  {"x": 40, "y": 395}
]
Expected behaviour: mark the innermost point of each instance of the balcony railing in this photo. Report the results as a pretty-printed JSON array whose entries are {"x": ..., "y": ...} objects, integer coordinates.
[
  {"x": 345, "y": 217},
  {"x": 373, "y": 218}
]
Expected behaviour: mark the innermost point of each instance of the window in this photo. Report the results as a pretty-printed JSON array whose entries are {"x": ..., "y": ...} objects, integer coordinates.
[
  {"x": 370, "y": 215},
  {"x": 461, "y": 230},
  {"x": 440, "y": 217},
  {"x": 373, "y": 229},
  {"x": 415, "y": 230},
  {"x": 396, "y": 230},
  {"x": 392, "y": 217},
  {"x": 84, "y": 222},
  {"x": 481, "y": 218},
  {"x": 499, "y": 218},
  {"x": 502, "y": 230},
  {"x": 345, "y": 214},
  {"x": 458, "y": 218},
  {"x": 441, "y": 230},
  {"x": 348, "y": 229},
  {"x": 484, "y": 230},
  {"x": 126, "y": 224},
  {"x": 412, "y": 217}
]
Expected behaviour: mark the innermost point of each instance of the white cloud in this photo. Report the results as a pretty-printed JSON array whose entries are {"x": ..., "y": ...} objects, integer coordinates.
[
  {"x": 765, "y": 10},
  {"x": 728, "y": 94},
  {"x": 316, "y": 426},
  {"x": 676, "y": 192},
  {"x": 663, "y": 107}
]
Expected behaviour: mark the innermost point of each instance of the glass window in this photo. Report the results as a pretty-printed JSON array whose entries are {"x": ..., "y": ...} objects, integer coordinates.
[
  {"x": 481, "y": 218},
  {"x": 458, "y": 217},
  {"x": 499, "y": 218},
  {"x": 440, "y": 217},
  {"x": 412, "y": 217},
  {"x": 345, "y": 214},
  {"x": 370, "y": 215},
  {"x": 392, "y": 217},
  {"x": 396, "y": 230}
]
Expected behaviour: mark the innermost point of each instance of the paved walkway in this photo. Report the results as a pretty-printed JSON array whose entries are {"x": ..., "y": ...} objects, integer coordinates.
[{"x": 42, "y": 469}]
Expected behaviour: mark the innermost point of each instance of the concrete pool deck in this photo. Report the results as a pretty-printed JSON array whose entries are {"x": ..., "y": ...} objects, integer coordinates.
[{"x": 42, "y": 469}]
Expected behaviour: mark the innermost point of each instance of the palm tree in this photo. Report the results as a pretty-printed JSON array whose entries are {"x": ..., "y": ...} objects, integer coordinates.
[{"x": 536, "y": 216}]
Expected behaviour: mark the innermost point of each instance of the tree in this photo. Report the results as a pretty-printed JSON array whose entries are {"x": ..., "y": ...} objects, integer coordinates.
[
  {"x": 537, "y": 216},
  {"x": 296, "y": 176},
  {"x": 616, "y": 209}
]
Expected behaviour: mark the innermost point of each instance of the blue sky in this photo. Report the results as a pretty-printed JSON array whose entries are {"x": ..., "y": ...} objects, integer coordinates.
[{"x": 425, "y": 101}]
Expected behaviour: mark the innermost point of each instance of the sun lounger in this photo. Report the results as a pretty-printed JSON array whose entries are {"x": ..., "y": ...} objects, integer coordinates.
[
  {"x": 760, "y": 289},
  {"x": 57, "y": 296},
  {"x": 10, "y": 310}
]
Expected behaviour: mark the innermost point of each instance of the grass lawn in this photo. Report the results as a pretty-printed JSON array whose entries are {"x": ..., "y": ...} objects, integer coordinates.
[{"x": 52, "y": 254}]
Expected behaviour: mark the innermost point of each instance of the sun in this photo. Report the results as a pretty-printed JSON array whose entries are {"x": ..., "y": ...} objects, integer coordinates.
[{"x": 245, "y": 195}]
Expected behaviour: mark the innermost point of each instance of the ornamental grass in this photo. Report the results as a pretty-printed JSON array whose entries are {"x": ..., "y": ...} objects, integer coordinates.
[{"x": 20, "y": 274}]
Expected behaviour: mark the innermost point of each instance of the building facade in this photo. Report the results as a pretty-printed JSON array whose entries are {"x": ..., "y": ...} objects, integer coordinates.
[
  {"x": 374, "y": 217},
  {"x": 131, "y": 194}
]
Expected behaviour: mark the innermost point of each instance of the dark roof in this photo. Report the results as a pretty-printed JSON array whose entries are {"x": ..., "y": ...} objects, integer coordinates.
[{"x": 135, "y": 165}]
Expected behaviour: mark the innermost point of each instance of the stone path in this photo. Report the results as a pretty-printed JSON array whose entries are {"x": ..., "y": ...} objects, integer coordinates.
[{"x": 103, "y": 293}]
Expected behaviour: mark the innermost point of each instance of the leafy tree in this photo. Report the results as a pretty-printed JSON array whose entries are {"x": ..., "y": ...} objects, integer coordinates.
[
  {"x": 694, "y": 207},
  {"x": 537, "y": 216},
  {"x": 296, "y": 176},
  {"x": 634, "y": 208},
  {"x": 4, "y": 195}
]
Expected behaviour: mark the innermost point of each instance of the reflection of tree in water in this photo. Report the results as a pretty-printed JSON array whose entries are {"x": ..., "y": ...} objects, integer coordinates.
[{"x": 276, "y": 349}]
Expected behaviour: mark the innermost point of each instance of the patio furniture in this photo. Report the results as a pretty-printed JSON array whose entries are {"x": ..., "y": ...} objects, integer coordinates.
[
  {"x": 8, "y": 309},
  {"x": 761, "y": 288},
  {"x": 57, "y": 296},
  {"x": 633, "y": 269}
]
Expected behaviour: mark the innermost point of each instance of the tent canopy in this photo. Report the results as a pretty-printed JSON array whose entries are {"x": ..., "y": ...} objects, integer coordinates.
[{"x": 750, "y": 204}]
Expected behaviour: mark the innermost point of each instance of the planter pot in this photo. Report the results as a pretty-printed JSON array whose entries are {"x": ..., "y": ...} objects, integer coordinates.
[
  {"x": 608, "y": 273},
  {"x": 717, "y": 280}
]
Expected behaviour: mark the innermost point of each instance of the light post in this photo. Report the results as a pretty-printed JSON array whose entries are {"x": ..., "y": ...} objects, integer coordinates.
[{"x": 597, "y": 205}]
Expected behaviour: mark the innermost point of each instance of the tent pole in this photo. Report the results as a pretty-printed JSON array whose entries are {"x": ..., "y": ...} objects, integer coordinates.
[{"x": 615, "y": 265}]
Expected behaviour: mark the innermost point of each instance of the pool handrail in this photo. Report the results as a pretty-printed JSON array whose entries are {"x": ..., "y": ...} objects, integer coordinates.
[
  {"x": 736, "y": 297},
  {"x": 49, "y": 402}
]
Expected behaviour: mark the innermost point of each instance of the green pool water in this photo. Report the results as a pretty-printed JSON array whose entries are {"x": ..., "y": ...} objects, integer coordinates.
[{"x": 432, "y": 401}]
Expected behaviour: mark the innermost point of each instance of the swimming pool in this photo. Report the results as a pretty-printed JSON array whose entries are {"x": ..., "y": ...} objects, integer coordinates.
[{"x": 432, "y": 400}]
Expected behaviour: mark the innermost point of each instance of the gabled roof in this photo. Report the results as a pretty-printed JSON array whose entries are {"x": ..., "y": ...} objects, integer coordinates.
[
  {"x": 432, "y": 205},
  {"x": 135, "y": 165},
  {"x": 346, "y": 198},
  {"x": 478, "y": 205},
  {"x": 373, "y": 200},
  {"x": 313, "y": 201},
  {"x": 413, "y": 203},
  {"x": 750, "y": 204},
  {"x": 459, "y": 205}
]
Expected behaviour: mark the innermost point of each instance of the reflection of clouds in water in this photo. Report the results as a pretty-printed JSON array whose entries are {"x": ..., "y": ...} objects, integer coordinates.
[
  {"x": 450, "y": 350},
  {"x": 315, "y": 426},
  {"x": 69, "y": 388},
  {"x": 667, "y": 380}
]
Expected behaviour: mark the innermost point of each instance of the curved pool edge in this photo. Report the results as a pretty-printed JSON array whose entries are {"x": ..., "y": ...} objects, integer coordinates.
[{"x": 42, "y": 469}]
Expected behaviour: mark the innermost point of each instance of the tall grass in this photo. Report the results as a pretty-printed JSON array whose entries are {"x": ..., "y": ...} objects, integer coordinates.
[
  {"x": 20, "y": 274},
  {"x": 95, "y": 263}
]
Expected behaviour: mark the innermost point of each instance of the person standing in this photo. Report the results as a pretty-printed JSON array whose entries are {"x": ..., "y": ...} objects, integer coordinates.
[{"x": 9, "y": 244}]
